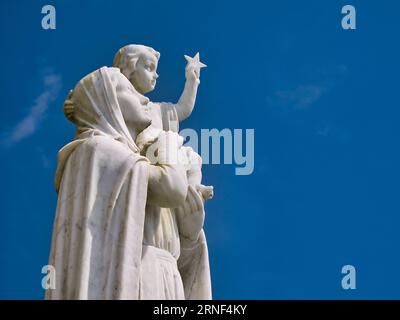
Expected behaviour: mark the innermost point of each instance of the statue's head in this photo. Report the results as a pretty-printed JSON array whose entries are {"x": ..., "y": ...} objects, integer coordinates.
[
  {"x": 103, "y": 102},
  {"x": 139, "y": 64}
]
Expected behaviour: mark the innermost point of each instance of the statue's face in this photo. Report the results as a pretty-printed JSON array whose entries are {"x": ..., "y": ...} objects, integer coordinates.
[
  {"x": 144, "y": 76},
  {"x": 135, "y": 114}
]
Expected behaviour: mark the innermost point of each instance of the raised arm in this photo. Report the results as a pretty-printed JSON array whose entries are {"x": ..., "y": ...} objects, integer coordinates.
[
  {"x": 186, "y": 102},
  {"x": 185, "y": 105}
]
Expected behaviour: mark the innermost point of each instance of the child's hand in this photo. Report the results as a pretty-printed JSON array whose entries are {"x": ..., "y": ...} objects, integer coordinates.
[
  {"x": 207, "y": 192},
  {"x": 191, "y": 74},
  {"x": 193, "y": 67}
]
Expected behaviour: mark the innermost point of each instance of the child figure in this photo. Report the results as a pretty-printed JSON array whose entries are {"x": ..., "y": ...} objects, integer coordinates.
[{"x": 139, "y": 64}]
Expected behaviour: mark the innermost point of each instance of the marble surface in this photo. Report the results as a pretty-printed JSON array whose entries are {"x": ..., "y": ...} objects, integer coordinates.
[{"x": 129, "y": 225}]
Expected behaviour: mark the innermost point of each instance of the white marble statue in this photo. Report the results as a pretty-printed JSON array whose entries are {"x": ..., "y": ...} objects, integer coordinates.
[
  {"x": 126, "y": 228},
  {"x": 139, "y": 64}
]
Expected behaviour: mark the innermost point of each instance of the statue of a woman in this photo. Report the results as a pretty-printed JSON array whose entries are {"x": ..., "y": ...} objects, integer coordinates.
[
  {"x": 103, "y": 245},
  {"x": 139, "y": 65}
]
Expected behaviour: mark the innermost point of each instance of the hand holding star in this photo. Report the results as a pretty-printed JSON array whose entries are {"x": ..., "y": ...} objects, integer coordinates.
[{"x": 193, "y": 67}]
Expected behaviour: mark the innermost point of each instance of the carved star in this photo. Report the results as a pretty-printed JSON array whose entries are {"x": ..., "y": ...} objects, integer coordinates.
[{"x": 195, "y": 63}]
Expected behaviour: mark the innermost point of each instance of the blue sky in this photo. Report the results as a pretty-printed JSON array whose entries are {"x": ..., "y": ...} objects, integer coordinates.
[{"x": 323, "y": 102}]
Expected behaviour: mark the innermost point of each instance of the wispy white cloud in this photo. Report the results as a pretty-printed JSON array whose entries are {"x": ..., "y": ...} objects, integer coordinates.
[
  {"x": 28, "y": 125},
  {"x": 300, "y": 97},
  {"x": 303, "y": 96}
]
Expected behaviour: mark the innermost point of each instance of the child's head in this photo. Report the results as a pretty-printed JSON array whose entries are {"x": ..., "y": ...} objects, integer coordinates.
[{"x": 139, "y": 64}]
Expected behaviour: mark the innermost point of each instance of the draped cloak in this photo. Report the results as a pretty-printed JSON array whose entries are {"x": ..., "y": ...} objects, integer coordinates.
[
  {"x": 102, "y": 184},
  {"x": 193, "y": 262}
]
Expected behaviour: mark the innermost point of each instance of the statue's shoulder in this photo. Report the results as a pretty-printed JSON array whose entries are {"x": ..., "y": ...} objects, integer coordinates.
[
  {"x": 105, "y": 146},
  {"x": 114, "y": 73}
]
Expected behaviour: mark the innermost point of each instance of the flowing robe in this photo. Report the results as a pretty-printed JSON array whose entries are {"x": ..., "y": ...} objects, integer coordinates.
[
  {"x": 192, "y": 256},
  {"x": 102, "y": 243}
]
